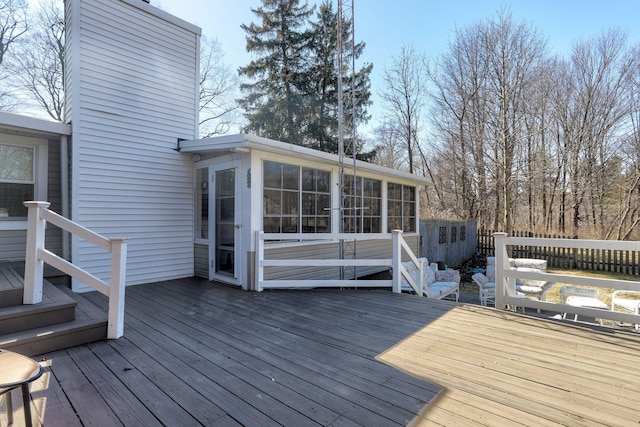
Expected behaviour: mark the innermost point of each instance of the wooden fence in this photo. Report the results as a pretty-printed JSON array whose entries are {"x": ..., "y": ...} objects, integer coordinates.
[{"x": 618, "y": 261}]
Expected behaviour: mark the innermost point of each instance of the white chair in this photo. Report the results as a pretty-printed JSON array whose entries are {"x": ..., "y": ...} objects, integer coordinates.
[
  {"x": 486, "y": 289},
  {"x": 631, "y": 305}
]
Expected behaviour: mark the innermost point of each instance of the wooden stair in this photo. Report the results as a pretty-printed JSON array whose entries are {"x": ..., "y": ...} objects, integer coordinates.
[{"x": 63, "y": 318}]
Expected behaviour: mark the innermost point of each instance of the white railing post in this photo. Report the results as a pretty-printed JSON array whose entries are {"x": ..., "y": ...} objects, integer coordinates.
[
  {"x": 33, "y": 266},
  {"x": 501, "y": 257},
  {"x": 396, "y": 249},
  {"x": 115, "y": 325},
  {"x": 259, "y": 276}
]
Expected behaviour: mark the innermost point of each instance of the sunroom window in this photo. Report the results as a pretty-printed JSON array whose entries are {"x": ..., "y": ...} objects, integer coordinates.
[
  {"x": 362, "y": 205},
  {"x": 401, "y": 207},
  {"x": 296, "y": 199}
]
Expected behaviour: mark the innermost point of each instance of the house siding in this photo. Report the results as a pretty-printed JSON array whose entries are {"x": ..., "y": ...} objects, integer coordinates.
[
  {"x": 133, "y": 95},
  {"x": 368, "y": 249}
]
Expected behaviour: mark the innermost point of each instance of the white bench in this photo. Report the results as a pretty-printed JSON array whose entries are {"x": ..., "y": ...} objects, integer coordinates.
[{"x": 436, "y": 283}]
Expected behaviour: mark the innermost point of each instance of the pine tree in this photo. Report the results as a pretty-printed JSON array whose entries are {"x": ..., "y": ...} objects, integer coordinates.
[
  {"x": 273, "y": 106},
  {"x": 294, "y": 96}
]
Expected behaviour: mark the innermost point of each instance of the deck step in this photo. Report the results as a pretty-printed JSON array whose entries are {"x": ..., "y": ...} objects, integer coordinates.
[
  {"x": 56, "y": 307},
  {"x": 63, "y": 319}
]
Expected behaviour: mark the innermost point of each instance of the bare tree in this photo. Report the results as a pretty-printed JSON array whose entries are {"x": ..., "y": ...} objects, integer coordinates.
[
  {"x": 13, "y": 26},
  {"x": 38, "y": 63},
  {"x": 404, "y": 99},
  {"x": 218, "y": 90}
]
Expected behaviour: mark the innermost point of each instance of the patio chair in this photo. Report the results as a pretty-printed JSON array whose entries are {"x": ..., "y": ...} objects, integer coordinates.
[
  {"x": 631, "y": 305},
  {"x": 17, "y": 371},
  {"x": 486, "y": 289}
]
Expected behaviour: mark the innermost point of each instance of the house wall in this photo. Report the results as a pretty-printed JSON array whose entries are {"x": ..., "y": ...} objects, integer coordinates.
[
  {"x": 132, "y": 91},
  {"x": 13, "y": 242}
]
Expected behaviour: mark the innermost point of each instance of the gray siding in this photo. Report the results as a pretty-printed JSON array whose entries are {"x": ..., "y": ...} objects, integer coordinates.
[
  {"x": 449, "y": 252},
  {"x": 201, "y": 260},
  {"x": 133, "y": 96},
  {"x": 369, "y": 249}
]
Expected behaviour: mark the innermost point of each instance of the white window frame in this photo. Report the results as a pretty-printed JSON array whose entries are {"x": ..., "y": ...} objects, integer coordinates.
[{"x": 40, "y": 169}]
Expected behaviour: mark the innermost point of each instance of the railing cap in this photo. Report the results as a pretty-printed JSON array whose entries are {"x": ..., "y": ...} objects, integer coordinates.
[{"x": 37, "y": 204}]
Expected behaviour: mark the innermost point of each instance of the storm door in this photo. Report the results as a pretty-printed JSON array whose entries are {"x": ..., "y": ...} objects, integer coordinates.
[{"x": 224, "y": 249}]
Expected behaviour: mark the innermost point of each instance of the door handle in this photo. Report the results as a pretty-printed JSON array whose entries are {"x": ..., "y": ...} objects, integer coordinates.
[{"x": 238, "y": 225}]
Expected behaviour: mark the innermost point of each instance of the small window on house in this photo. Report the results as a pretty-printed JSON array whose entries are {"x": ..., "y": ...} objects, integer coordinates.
[
  {"x": 454, "y": 234},
  {"x": 442, "y": 235},
  {"x": 463, "y": 233},
  {"x": 17, "y": 180},
  {"x": 295, "y": 199},
  {"x": 362, "y": 204},
  {"x": 401, "y": 207}
]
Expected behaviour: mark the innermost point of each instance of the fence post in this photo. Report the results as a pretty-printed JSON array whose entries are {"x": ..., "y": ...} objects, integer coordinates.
[
  {"x": 396, "y": 260},
  {"x": 33, "y": 266},
  {"x": 117, "y": 283},
  {"x": 501, "y": 258}
]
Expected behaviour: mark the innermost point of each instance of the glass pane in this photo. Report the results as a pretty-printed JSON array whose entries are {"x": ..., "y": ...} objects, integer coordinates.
[
  {"x": 226, "y": 210},
  {"x": 308, "y": 225},
  {"x": 322, "y": 181},
  {"x": 409, "y": 193},
  {"x": 225, "y": 235},
  {"x": 308, "y": 179},
  {"x": 272, "y": 175},
  {"x": 376, "y": 190},
  {"x": 289, "y": 202},
  {"x": 324, "y": 204},
  {"x": 394, "y": 191},
  {"x": 323, "y": 224},
  {"x": 202, "y": 212},
  {"x": 375, "y": 225},
  {"x": 308, "y": 204},
  {"x": 225, "y": 261},
  {"x": 375, "y": 207},
  {"x": 290, "y": 225},
  {"x": 290, "y": 177},
  {"x": 271, "y": 224},
  {"x": 16, "y": 163},
  {"x": 225, "y": 183},
  {"x": 272, "y": 202},
  {"x": 12, "y": 197}
]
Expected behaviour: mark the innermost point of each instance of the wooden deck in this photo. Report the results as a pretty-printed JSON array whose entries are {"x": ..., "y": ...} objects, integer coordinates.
[{"x": 198, "y": 353}]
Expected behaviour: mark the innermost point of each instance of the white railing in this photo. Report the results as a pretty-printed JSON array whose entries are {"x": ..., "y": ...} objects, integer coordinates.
[
  {"x": 395, "y": 262},
  {"x": 505, "y": 276},
  {"x": 37, "y": 255}
]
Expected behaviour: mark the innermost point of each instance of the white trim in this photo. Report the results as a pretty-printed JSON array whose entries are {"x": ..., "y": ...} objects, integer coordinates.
[{"x": 278, "y": 148}]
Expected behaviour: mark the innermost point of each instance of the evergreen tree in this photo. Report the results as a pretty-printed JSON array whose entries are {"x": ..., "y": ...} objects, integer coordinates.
[
  {"x": 298, "y": 103},
  {"x": 273, "y": 105}
]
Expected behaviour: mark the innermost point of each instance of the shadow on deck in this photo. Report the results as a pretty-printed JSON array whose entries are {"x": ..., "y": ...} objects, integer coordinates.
[{"x": 199, "y": 353}]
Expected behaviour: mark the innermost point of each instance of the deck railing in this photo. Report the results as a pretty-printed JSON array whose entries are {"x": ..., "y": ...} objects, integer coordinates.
[
  {"x": 37, "y": 255},
  {"x": 505, "y": 276},
  {"x": 399, "y": 246}
]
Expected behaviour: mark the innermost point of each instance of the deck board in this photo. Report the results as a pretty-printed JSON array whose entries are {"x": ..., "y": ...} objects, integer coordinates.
[{"x": 199, "y": 353}]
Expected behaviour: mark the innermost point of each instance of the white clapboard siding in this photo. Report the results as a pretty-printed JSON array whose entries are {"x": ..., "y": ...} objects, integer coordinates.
[{"x": 133, "y": 96}]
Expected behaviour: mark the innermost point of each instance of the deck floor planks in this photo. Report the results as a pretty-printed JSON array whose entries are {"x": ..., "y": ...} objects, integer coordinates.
[
  {"x": 234, "y": 339},
  {"x": 527, "y": 387},
  {"x": 348, "y": 352},
  {"x": 315, "y": 349}
]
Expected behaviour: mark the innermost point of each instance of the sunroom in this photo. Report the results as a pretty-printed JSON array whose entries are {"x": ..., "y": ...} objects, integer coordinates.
[{"x": 246, "y": 184}]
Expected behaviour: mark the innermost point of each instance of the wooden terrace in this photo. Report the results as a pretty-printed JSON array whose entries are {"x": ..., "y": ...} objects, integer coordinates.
[{"x": 198, "y": 353}]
